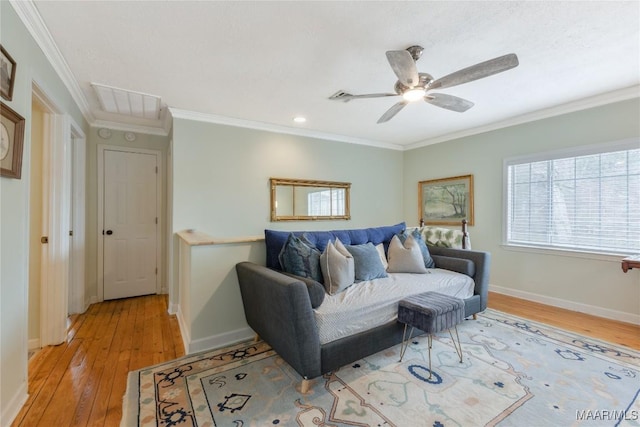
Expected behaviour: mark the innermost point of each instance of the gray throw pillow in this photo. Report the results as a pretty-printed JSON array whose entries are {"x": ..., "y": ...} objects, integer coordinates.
[
  {"x": 426, "y": 255},
  {"x": 301, "y": 259},
  {"x": 405, "y": 258},
  {"x": 366, "y": 262},
  {"x": 337, "y": 267}
]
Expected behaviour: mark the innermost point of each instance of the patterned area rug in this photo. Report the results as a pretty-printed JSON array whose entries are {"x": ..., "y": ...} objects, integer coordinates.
[{"x": 515, "y": 373}]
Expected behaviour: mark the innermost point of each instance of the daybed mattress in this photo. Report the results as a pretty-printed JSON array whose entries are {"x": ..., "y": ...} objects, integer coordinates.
[{"x": 372, "y": 303}]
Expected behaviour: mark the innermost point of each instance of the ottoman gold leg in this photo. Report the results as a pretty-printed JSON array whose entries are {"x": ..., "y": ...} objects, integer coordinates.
[
  {"x": 457, "y": 346},
  {"x": 405, "y": 343},
  {"x": 430, "y": 343}
]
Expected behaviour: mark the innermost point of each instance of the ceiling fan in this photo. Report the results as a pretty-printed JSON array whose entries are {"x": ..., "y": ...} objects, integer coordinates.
[{"x": 414, "y": 86}]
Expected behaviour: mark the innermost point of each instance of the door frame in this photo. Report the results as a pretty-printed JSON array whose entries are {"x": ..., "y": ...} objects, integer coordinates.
[
  {"x": 77, "y": 300},
  {"x": 59, "y": 131},
  {"x": 101, "y": 150}
]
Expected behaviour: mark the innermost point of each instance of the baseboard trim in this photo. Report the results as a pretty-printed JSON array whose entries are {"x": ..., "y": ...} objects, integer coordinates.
[
  {"x": 88, "y": 302},
  {"x": 173, "y": 308},
  {"x": 34, "y": 343},
  {"x": 221, "y": 340},
  {"x": 14, "y": 405},
  {"x": 184, "y": 332},
  {"x": 569, "y": 305}
]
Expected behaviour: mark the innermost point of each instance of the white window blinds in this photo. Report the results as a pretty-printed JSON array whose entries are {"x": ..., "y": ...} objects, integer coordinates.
[{"x": 586, "y": 202}]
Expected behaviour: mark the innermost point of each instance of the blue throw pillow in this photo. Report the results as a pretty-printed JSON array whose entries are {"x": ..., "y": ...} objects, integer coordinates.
[
  {"x": 300, "y": 258},
  {"x": 367, "y": 262},
  {"x": 428, "y": 261}
]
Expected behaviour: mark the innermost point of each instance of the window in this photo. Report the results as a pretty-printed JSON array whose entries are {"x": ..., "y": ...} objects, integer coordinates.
[
  {"x": 584, "y": 199},
  {"x": 326, "y": 202}
]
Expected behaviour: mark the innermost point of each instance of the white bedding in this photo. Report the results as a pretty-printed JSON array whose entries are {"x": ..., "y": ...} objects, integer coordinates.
[{"x": 372, "y": 303}]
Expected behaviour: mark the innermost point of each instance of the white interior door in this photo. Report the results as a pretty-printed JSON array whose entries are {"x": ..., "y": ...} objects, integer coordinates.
[{"x": 130, "y": 224}]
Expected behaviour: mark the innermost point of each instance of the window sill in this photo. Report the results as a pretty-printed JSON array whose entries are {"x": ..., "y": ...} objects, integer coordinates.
[{"x": 610, "y": 257}]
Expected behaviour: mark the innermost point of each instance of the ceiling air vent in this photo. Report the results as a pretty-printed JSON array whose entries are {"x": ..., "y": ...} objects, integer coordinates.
[{"x": 128, "y": 103}]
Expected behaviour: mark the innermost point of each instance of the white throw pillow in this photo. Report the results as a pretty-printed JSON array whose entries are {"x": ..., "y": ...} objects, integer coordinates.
[
  {"x": 338, "y": 268},
  {"x": 405, "y": 258},
  {"x": 383, "y": 256}
]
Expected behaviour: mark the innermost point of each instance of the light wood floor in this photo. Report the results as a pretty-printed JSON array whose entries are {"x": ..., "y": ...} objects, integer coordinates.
[
  {"x": 625, "y": 334},
  {"x": 82, "y": 381}
]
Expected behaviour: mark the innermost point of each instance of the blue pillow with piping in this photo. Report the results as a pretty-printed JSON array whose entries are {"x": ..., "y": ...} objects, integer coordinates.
[
  {"x": 367, "y": 263},
  {"x": 299, "y": 258}
]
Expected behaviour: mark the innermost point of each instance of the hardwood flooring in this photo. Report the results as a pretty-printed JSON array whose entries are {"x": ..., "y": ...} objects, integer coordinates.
[
  {"x": 621, "y": 333},
  {"x": 82, "y": 381}
]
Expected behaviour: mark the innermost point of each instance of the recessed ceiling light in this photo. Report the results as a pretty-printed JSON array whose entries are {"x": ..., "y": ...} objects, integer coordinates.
[{"x": 299, "y": 119}]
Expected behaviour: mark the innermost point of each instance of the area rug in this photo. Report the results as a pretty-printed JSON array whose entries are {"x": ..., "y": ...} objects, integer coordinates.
[{"x": 515, "y": 372}]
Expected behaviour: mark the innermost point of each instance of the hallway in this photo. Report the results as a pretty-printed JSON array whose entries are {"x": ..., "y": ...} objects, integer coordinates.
[{"x": 82, "y": 381}]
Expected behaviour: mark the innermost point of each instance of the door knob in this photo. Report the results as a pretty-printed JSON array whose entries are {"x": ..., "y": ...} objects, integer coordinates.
[{"x": 109, "y": 232}]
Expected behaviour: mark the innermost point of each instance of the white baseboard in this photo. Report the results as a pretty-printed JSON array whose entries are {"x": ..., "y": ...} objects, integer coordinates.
[
  {"x": 221, "y": 340},
  {"x": 14, "y": 405},
  {"x": 184, "y": 332},
  {"x": 569, "y": 305},
  {"x": 173, "y": 308},
  {"x": 34, "y": 343},
  {"x": 91, "y": 300}
]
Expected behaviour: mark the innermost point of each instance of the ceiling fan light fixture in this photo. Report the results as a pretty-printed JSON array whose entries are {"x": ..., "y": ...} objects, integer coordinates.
[{"x": 414, "y": 94}]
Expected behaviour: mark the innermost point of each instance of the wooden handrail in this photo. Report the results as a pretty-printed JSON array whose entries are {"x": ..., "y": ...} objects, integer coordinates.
[{"x": 198, "y": 238}]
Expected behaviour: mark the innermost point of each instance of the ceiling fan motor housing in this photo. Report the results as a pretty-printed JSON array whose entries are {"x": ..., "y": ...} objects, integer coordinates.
[{"x": 425, "y": 81}]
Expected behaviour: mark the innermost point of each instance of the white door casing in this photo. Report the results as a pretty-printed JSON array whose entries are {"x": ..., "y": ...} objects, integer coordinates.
[
  {"x": 129, "y": 215},
  {"x": 56, "y": 226},
  {"x": 58, "y": 131},
  {"x": 77, "y": 302}
]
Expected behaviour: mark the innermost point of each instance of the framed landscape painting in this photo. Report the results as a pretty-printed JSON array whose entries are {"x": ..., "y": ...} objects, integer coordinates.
[
  {"x": 446, "y": 201},
  {"x": 7, "y": 74}
]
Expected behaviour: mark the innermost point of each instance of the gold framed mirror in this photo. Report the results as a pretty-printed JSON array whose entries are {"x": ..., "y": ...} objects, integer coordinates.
[{"x": 307, "y": 200}]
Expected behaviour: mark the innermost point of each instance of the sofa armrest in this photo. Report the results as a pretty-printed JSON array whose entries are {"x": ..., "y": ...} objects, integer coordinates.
[
  {"x": 482, "y": 264},
  {"x": 459, "y": 265},
  {"x": 278, "y": 309},
  {"x": 315, "y": 289}
]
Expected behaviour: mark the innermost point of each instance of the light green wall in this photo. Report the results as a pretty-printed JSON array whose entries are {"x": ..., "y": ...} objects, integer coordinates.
[
  {"x": 14, "y": 208},
  {"x": 221, "y": 187},
  {"x": 145, "y": 141},
  {"x": 595, "y": 282},
  {"x": 221, "y": 178}
]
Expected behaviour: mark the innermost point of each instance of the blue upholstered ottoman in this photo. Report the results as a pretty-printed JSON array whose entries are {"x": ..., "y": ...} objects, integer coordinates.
[{"x": 431, "y": 312}]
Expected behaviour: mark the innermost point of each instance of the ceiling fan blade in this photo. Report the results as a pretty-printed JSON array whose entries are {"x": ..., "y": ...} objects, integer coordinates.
[
  {"x": 478, "y": 71},
  {"x": 373, "y": 95},
  {"x": 449, "y": 102},
  {"x": 392, "y": 112},
  {"x": 404, "y": 66},
  {"x": 346, "y": 97}
]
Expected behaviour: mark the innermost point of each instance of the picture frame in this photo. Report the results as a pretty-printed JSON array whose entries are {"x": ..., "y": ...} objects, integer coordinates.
[
  {"x": 446, "y": 201},
  {"x": 11, "y": 142},
  {"x": 7, "y": 74}
]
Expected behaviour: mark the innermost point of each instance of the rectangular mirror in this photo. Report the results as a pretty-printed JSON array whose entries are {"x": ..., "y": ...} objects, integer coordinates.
[{"x": 305, "y": 200}]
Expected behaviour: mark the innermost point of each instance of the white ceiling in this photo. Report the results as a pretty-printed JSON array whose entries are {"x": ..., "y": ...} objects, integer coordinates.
[{"x": 261, "y": 63}]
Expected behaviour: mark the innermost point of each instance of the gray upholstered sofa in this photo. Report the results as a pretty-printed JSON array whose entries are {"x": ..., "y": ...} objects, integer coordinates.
[{"x": 279, "y": 307}]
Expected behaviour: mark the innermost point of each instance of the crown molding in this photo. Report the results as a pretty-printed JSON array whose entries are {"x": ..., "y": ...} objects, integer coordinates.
[
  {"x": 571, "y": 107},
  {"x": 32, "y": 20},
  {"x": 229, "y": 121},
  {"x": 149, "y": 130}
]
